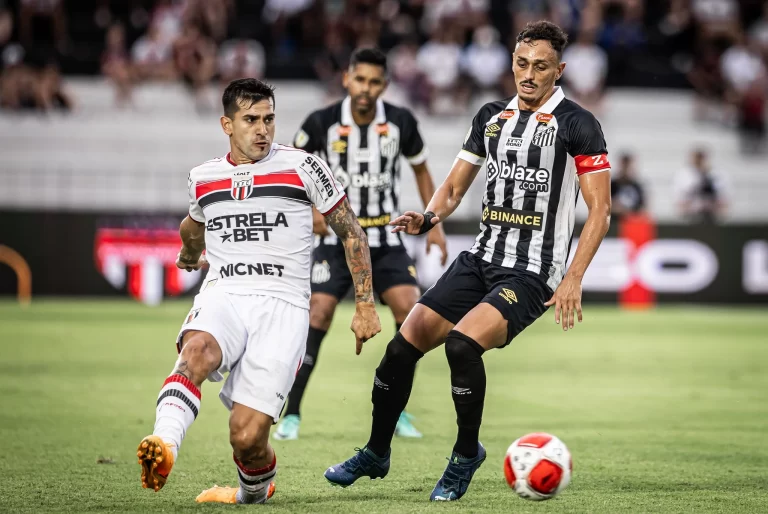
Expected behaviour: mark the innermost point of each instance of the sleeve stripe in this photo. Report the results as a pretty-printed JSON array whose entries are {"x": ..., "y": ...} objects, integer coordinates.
[
  {"x": 470, "y": 157},
  {"x": 336, "y": 205},
  {"x": 419, "y": 157}
]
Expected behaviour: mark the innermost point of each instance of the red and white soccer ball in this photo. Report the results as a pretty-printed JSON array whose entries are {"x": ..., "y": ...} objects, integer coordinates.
[{"x": 538, "y": 466}]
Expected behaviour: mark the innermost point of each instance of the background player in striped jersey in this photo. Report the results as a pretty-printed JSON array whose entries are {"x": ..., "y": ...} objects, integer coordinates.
[
  {"x": 538, "y": 148},
  {"x": 251, "y": 212},
  {"x": 362, "y": 138}
]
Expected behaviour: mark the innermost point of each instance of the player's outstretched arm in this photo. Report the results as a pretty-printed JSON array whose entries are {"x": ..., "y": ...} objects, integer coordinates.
[
  {"x": 427, "y": 190},
  {"x": 192, "y": 245},
  {"x": 365, "y": 323},
  {"x": 445, "y": 200},
  {"x": 596, "y": 190}
]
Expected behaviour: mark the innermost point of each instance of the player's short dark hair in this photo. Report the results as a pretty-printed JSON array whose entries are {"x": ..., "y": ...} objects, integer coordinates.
[
  {"x": 245, "y": 92},
  {"x": 372, "y": 56},
  {"x": 544, "y": 31}
]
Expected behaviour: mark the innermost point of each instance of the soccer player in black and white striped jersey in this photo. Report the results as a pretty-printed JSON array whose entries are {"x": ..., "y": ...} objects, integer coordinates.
[
  {"x": 363, "y": 139},
  {"x": 539, "y": 149}
]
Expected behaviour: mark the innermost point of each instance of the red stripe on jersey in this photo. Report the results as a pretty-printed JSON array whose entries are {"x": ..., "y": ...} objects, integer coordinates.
[
  {"x": 326, "y": 213},
  {"x": 203, "y": 188},
  {"x": 590, "y": 163},
  {"x": 285, "y": 177},
  {"x": 181, "y": 379}
]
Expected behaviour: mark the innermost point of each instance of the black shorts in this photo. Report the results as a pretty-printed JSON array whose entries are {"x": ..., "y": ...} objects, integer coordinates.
[
  {"x": 392, "y": 266},
  {"x": 469, "y": 281}
]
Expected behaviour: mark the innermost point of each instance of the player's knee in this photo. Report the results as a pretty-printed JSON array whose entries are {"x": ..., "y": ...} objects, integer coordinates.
[
  {"x": 400, "y": 353},
  {"x": 461, "y": 349},
  {"x": 201, "y": 355},
  {"x": 321, "y": 313}
]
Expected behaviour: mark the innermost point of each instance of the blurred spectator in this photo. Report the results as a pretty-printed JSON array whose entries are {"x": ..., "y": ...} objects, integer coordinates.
[
  {"x": 627, "y": 194},
  {"x": 485, "y": 60},
  {"x": 23, "y": 87},
  {"x": 212, "y": 16},
  {"x": 332, "y": 61},
  {"x": 50, "y": 90},
  {"x": 759, "y": 32},
  {"x": 33, "y": 13},
  {"x": 152, "y": 56},
  {"x": 439, "y": 60},
  {"x": 467, "y": 14},
  {"x": 752, "y": 118},
  {"x": 585, "y": 72},
  {"x": 6, "y": 25},
  {"x": 404, "y": 68},
  {"x": 240, "y": 58},
  {"x": 283, "y": 16},
  {"x": 743, "y": 70},
  {"x": 709, "y": 86},
  {"x": 701, "y": 192},
  {"x": 167, "y": 21},
  {"x": 716, "y": 17},
  {"x": 116, "y": 64},
  {"x": 194, "y": 55},
  {"x": 525, "y": 11}
]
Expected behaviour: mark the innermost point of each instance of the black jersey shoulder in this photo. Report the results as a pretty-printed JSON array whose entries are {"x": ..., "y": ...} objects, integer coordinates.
[
  {"x": 579, "y": 129},
  {"x": 326, "y": 116},
  {"x": 491, "y": 109}
]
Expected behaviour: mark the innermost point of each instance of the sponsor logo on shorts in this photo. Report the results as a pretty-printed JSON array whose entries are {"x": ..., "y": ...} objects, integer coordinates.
[
  {"x": 492, "y": 129},
  {"x": 280, "y": 395},
  {"x": 508, "y": 295},
  {"x": 258, "y": 268},
  {"x": 321, "y": 272},
  {"x": 374, "y": 221},
  {"x": 412, "y": 270},
  {"x": 339, "y": 146},
  {"x": 513, "y": 218},
  {"x": 192, "y": 315}
]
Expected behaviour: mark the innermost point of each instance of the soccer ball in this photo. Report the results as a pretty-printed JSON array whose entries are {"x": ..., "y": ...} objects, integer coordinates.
[{"x": 538, "y": 466}]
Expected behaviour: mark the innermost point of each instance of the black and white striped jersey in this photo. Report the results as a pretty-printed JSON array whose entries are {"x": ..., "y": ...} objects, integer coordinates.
[
  {"x": 366, "y": 160},
  {"x": 533, "y": 160}
]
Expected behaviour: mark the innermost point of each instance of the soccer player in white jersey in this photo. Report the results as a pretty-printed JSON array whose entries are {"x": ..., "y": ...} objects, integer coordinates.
[{"x": 251, "y": 211}]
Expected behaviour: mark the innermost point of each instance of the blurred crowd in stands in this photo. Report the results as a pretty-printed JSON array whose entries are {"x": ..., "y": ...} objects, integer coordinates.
[{"x": 442, "y": 52}]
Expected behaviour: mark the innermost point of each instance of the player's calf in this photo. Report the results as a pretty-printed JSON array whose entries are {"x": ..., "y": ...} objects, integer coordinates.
[
  {"x": 465, "y": 358},
  {"x": 255, "y": 459},
  {"x": 178, "y": 405}
]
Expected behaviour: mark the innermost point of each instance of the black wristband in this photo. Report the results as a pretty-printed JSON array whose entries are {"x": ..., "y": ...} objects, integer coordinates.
[{"x": 427, "y": 225}]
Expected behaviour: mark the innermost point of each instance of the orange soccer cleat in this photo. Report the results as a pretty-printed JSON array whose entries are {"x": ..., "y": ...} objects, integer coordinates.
[
  {"x": 219, "y": 494},
  {"x": 156, "y": 459}
]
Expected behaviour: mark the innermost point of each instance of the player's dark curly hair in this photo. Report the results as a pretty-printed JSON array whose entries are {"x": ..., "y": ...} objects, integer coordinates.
[
  {"x": 372, "y": 56},
  {"x": 246, "y": 92},
  {"x": 544, "y": 31}
]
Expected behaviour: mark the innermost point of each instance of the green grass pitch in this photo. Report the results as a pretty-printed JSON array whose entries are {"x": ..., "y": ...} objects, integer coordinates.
[{"x": 664, "y": 411}]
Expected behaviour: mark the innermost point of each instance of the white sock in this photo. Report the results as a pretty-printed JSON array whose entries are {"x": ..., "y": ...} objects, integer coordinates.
[
  {"x": 177, "y": 407},
  {"x": 254, "y": 483}
]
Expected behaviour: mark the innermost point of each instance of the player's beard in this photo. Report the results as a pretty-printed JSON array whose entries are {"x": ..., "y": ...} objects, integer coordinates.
[{"x": 363, "y": 108}]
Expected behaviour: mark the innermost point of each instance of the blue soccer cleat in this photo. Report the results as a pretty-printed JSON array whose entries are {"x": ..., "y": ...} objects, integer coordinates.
[
  {"x": 457, "y": 476},
  {"x": 364, "y": 463}
]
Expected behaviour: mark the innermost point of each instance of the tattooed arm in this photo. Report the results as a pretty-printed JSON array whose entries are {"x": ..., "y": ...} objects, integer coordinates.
[
  {"x": 365, "y": 323},
  {"x": 192, "y": 245}
]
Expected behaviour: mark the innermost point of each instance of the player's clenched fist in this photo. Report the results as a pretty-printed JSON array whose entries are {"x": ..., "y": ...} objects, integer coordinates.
[
  {"x": 365, "y": 324},
  {"x": 189, "y": 263}
]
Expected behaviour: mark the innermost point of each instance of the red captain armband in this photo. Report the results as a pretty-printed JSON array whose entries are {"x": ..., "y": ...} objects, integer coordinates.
[{"x": 591, "y": 163}]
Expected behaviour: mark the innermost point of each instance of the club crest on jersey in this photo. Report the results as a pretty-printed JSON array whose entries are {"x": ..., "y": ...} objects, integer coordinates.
[
  {"x": 241, "y": 189},
  {"x": 388, "y": 146},
  {"x": 192, "y": 315},
  {"x": 544, "y": 136}
]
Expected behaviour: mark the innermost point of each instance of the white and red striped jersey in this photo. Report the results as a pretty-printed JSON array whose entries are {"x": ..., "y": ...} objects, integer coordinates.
[{"x": 258, "y": 220}]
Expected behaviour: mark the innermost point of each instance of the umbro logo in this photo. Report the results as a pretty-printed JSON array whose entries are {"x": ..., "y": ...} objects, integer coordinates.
[
  {"x": 461, "y": 390},
  {"x": 508, "y": 295},
  {"x": 492, "y": 129}
]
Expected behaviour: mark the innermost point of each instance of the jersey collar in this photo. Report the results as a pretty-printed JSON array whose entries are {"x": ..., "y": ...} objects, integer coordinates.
[
  {"x": 272, "y": 149},
  {"x": 548, "y": 106},
  {"x": 346, "y": 112}
]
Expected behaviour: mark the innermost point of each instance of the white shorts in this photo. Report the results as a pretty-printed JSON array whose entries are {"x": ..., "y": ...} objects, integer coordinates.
[{"x": 262, "y": 341}]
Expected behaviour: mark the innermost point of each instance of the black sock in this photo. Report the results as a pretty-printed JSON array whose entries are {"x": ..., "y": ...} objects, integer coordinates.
[
  {"x": 391, "y": 390},
  {"x": 465, "y": 357},
  {"x": 314, "y": 338}
]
